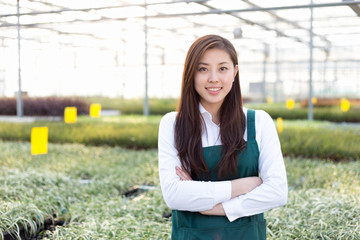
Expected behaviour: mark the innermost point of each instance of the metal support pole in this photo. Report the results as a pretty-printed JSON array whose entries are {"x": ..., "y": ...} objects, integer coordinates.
[
  {"x": 325, "y": 85},
  {"x": 266, "y": 54},
  {"x": 277, "y": 72},
  {"x": 19, "y": 102},
  {"x": 146, "y": 98},
  {"x": 358, "y": 77},
  {"x": 211, "y": 12},
  {"x": 310, "y": 104},
  {"x": 2, "y": 71},
  {"x": 334, "y": 83}
]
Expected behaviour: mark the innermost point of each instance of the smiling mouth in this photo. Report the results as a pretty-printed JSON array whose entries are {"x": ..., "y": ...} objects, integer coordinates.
[{"x": 214, "y": 89}]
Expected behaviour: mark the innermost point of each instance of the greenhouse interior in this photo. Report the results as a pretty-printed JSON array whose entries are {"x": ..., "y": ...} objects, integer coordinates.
[
  {"x": 85, "y": 86},
  {"x": 129, "y": 48}
]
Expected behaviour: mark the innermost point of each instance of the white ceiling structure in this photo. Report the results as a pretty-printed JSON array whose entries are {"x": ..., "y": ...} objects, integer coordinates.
[{"x": 113, "y": 47}]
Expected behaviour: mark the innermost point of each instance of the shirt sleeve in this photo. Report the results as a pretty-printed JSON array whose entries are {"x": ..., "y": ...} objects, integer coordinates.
[
  {"x": 184, "y": 195},
  {"x": 274, "y": 190}
]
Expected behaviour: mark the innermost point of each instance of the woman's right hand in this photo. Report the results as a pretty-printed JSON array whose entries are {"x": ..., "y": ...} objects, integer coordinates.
[
  {"x": 241, "y": 186},
  {"x": 183, "y": 174}
]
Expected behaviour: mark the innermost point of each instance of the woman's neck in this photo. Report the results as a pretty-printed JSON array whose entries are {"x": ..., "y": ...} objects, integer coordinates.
[{"x": 214, "y": 110}]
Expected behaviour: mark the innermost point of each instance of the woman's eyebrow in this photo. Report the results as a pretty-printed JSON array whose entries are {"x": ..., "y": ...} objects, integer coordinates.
[{"x": 203, "y": 63}]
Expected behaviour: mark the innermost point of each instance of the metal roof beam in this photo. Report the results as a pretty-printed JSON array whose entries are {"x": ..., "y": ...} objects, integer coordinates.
[
  {"x": 354, "y": 7},
  {"x": 65, "y": 33},
  {"x": 214, "y": 11},
  {"x": 255, "y": 23},
  {"x": 101, "y": 8},
  {"x": 294, "y": 24},
  {"x": 217, "y": 11}
]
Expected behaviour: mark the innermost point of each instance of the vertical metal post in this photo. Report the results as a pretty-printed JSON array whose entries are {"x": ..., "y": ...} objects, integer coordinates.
[
  {"x": 334, "y": 83},
  {"x": 146, "y": 98},
  {"x": 162, "y": 71},
  {"x": 310, "y": 104},
  {"x": 277, "y": 69},
  {"x": 266, "y": 54},
  {"x": 325, "y": 85},
  {"x": 19, "y": 102},
  {"x": 358, "y": 77},
  {"x": 2, "y": 71}
]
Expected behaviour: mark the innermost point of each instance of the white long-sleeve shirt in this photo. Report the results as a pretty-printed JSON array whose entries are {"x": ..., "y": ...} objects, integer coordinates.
[{"x": 198, "y": 196}]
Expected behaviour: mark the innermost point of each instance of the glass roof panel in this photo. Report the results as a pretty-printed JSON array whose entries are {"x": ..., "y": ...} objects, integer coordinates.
[{"x": 117, "y": 27}]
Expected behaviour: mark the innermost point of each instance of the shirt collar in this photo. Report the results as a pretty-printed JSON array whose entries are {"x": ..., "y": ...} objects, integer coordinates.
[
  {"x": 204, "y": 112},
  {"x": 202, "y": 109}
]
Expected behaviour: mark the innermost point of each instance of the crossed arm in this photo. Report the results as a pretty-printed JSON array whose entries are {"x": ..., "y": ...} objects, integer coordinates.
[
  {"x": 237, "y": 198},
  {"x": 239, "y": 187}
]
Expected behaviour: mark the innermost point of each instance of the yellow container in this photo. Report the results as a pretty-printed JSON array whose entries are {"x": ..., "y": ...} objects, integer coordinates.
[
  {"x": 290, "y": 103},
  {"x": 279, "y": 122},
  {"x": 345, "y": 105},
  {"x": 95, "y": 110},
  {"x": 314, "y": 100},
  {"x": 70, "y": 115},
  {"x": 39, "y": 140}
]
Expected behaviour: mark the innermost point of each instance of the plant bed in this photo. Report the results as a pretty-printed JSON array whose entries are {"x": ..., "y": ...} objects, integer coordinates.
[
  {"x": 330, "y": 113},
  {"x": 43, "y": 106},
  {"x": 300, "y": 138},
  {"x": 22, "y": 233},
  {"x": 88, "y": 182}
]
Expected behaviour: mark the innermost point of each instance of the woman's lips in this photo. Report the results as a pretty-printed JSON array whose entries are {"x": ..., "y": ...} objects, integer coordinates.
[{"x": 213, "y": 90}]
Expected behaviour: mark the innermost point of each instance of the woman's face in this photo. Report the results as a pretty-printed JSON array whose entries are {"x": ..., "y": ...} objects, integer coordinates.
[{"x": 214, "y": 77}]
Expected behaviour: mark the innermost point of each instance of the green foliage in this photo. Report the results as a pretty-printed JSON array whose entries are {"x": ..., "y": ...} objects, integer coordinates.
[
  {"x": 157, "y": 106},
  {"x": 299, "y": 138},
  {"x": 321, "y": 140},
  {"x": 84, "y": 186},
  {"x": 160, "y": 106},
  {"x": 323, "y": 202},
  {"x": 54, "y": 106},
  {"x": 127, "y": 131},
  {"x": 333, "y": 114}
]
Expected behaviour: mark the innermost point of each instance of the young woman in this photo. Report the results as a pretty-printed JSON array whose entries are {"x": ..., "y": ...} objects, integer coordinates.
[{"x": 220, "y": 164}]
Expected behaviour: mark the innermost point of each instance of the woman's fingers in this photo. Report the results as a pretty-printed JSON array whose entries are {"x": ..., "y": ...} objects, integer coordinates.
[{"x": 182, "y": 174}]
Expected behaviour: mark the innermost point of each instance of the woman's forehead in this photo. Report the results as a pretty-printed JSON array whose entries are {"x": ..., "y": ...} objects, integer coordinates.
[{"x": 215, "y": 55}]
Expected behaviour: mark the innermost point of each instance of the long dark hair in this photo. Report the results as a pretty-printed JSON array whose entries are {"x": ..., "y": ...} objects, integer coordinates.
[{"x": 189, "y": 122}]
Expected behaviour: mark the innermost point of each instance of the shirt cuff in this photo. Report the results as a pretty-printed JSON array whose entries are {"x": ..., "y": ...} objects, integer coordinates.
[
  {"x": 228, "y": 206},
  {"x": 222, "y": 191}
]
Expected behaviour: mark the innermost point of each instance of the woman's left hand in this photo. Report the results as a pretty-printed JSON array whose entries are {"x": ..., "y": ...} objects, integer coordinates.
[
  {"x": 218, "y": 210},
  {"x": 183, "y": 174}
]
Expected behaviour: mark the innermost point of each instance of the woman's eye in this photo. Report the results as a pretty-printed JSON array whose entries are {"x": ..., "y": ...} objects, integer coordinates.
[
  {"x": 202, "y": 69},
  {"x": 223, "y": 68}
]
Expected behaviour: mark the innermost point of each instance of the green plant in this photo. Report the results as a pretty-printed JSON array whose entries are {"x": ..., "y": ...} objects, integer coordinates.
[
  {"x": 333, "y": 113},
  {"x": 84, "y": 186},
  {"x": 157, "y": 106},
  {"x": 299, "y": 138}
]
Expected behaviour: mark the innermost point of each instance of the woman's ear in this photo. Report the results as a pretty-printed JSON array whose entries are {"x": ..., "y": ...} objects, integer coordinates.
[{"x": 236, "y": 70}]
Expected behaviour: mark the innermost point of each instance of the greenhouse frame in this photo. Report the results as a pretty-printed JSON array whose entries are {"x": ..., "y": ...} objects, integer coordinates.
[{"x": 298, "y": 49}]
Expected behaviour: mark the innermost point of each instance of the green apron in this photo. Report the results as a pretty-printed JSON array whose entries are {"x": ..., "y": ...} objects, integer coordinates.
[{"x": 193, "y": 225}]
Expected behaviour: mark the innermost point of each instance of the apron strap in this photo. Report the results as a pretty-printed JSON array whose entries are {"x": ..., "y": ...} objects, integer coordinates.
[{"x": 251, "y": 134}]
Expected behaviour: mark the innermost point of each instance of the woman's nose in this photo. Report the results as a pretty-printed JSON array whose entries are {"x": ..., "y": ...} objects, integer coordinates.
[{"x": 213, "y": 77}]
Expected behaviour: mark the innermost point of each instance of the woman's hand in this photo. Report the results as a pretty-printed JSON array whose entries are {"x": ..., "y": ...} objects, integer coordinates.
[
  {"x": 218, "y": 210},
  {"x": 242, "y": 186},
  {"x": 183, "y": 174}
]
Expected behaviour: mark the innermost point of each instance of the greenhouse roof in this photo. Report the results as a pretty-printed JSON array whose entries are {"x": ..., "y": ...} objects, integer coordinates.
[
  {"x": 121, "y": 32},
  {"x": 176, "y": 23}
]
